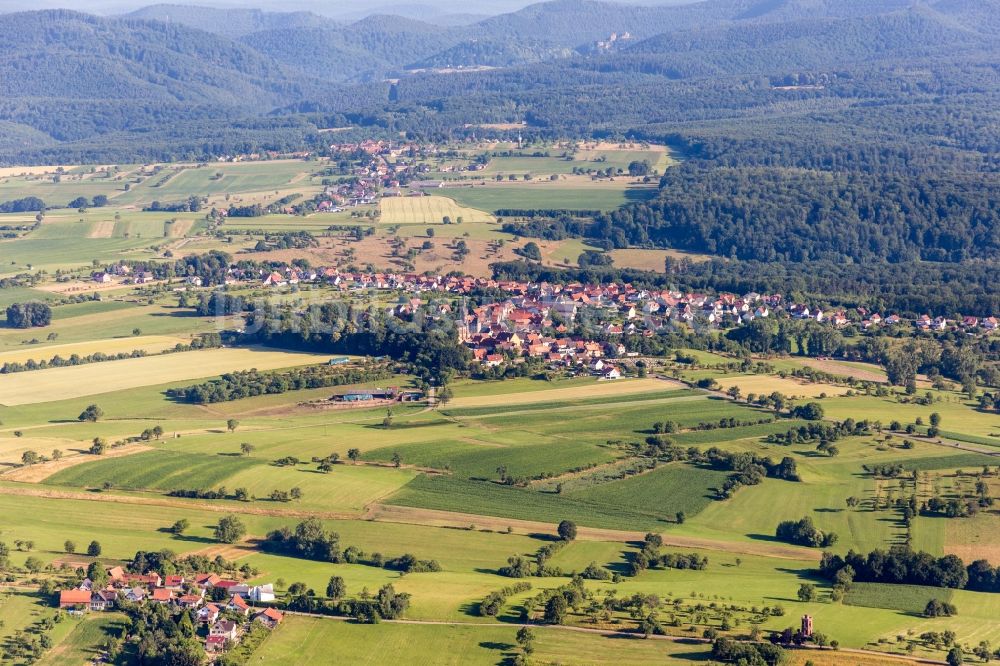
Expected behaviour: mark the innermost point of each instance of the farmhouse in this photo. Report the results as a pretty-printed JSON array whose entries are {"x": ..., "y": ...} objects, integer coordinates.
[
  {"x": 225, "y": 629},
  {"x": 270, "y": 617},
  {"x": 74, "y": 599}
]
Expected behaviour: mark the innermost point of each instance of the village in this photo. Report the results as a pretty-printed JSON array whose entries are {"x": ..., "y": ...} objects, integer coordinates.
[
  {"x": 567, "y": 325},
  {"x": 226, "y": 608}
]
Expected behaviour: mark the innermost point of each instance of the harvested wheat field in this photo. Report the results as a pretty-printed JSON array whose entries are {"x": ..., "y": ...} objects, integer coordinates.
[
  {"x": 151, "y": 344},
  {"x": 598, "y": 389},
  {"x": 77, "y": 381},
  {"x": 427, "y": 210}
]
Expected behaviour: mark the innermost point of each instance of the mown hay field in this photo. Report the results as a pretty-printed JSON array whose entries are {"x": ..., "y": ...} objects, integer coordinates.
[
  {"x": 427, "y": 210},
  {"x": 69, "y": 382},
  {"x": 581, "y": 390},
  {"x": 151, "y": 344}
]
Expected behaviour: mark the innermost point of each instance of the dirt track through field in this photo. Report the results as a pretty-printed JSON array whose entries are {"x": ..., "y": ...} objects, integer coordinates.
[
  {"x": 42, "y": 471},
  {"x": 435, "y": 518}
]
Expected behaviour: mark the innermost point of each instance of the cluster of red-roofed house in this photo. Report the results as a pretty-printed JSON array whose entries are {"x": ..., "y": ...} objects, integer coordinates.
[
  {"x": 610, "y": 310},
  {"x": 215, "y": 601}
]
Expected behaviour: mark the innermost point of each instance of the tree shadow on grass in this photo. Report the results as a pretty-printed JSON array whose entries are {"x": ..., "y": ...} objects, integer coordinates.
[
  {"x": 766, "y": 537},
  {"x": 190, "y": 539}
]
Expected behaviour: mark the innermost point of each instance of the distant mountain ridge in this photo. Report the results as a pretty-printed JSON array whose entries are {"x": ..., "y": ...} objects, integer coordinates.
[
  {"x": 74, "y": 77},
  {"x": 232, "y": 22}
]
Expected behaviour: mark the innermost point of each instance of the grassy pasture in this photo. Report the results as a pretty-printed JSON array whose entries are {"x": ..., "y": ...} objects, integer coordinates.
[
  {"x": 310, "y": 639},
  {"x": 549, "y": 195},
  {"x": 957, "y": 415},
  {"x": 179, "y": 182},
  {"x": 480, "y": 460},
  {"x": 85, "y": 322},
  {"x": 346, "y": 488},
  {"x": 87, "y": 633}
]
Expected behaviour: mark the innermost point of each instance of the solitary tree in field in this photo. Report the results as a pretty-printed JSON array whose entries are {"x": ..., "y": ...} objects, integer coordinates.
[
  {"x": 94, "y": 549},
  {"x": 180, "y": 526},
  {"x": 246, "y": 448},
  {"x": 99, "y": 446},
  {"x": 157, "y": 431},
  {"x": 397, "y": 459},
  {"x": 69, "y": 547},
  {"x": 935, "y": 419},
  {"x": 354, "y": 454},
  {"x": 57, "y": 454},
  {"x": 230, "y": 529},
  {"x": 807, "y": 592},
  {"x": 567, "y": 530},
  {"x": 232, "y": 425},
  {"x": 29, "y": 458},
  {"x": 336, "y": 588},
  {"x": 92, "y": 413}
]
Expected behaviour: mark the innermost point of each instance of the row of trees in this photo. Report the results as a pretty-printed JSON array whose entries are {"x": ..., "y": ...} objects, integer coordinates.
[{"x": 248, "y": 383}]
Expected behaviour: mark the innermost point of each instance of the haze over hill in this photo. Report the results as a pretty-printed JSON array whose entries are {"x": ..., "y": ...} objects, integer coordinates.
[{"x": 73, "y": 77}]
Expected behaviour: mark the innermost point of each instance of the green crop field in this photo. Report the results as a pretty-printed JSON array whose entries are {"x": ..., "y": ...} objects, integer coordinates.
[
  {"x": 910, "y": 599},
  {"x": 664, "y": 491},
  {"x": 490, "y": 499}
]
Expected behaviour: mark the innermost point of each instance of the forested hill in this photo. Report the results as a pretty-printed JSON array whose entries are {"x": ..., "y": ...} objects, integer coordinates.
[
  {"x": 74, "y": 76},
  {"x": 803, "y": 83},
  {"x": 230, "y": 22},
  {"x": 370, "y": 48}
]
